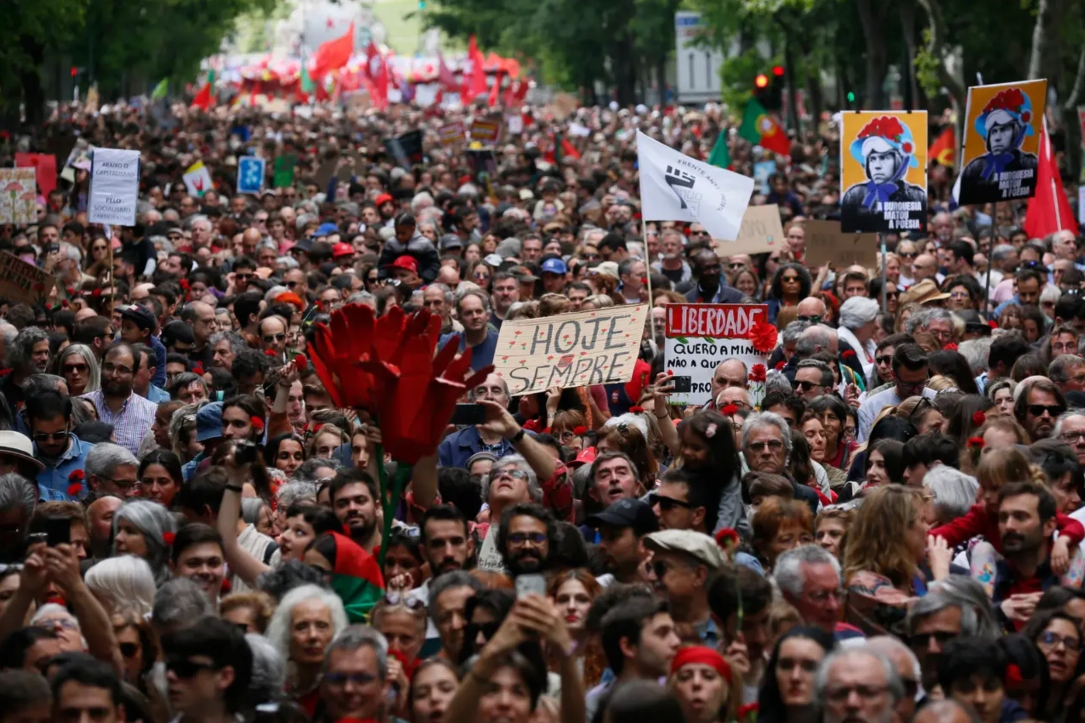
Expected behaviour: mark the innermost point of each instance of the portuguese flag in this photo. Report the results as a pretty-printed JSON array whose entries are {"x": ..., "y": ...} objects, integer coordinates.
[
  {"x": 356, "y": 578},
  {"x": 761, "y": 129}
]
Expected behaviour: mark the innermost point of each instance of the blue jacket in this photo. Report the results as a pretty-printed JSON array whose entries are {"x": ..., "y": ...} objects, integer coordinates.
[
  {"x": 53, "y": 481},
  {"x": 159, "y": 378},
  {"x": 458, "y": 447},
  {"x": 482, "y": 355}
]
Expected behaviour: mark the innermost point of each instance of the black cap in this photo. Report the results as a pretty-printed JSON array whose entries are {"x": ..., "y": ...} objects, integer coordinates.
[
  {"x": 140, "y": 315},
  {"x": 627, "y": 513}
]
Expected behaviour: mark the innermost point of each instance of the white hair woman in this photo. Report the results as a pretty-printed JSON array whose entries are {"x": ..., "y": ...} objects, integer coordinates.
[
  {"x": 125, "y": 581},
  {"x": 858, "y": 322},
  {"x": 79, "y": 368},
  {"x": 307, "y": 620},
  {"x": 139, "y": 528}
]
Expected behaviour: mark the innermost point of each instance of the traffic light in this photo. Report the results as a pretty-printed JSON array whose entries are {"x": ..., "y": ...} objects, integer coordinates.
[
  {"x": 778, "y": 71},
  {"x": 761, "y": 81},
  {"x": 769, "y": 89}
]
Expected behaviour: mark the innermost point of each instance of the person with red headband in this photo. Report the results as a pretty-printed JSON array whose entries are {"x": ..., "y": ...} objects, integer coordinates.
[{"x": 702, "y": 680}]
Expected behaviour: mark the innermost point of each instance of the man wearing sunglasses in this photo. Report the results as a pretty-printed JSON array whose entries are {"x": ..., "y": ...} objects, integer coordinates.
[
  {"x": 208, "y": 670},
  {"x": 684, "y": 563},
  {"x": 910, "y": 372},
  {"x": 1038, "y": 406},
  {"x": 622, "y": 529},
  {"x": 49, "y": 416}
]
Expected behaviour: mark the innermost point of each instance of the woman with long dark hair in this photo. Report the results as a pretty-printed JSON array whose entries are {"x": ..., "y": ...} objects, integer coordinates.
[
  {"x": 787, "y": 693},
  {"x": 790, "y": 284},
  {"x": 709, "y": 456}
]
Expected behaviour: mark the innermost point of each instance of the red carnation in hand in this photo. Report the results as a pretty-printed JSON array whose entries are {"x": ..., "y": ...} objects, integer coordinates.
[
  {"x": 257, "y": 423},
  {"x": 727, "y": 539},
  {"x": 746, "y": 710},
  {"x": 636, "y": 410},
  {"x": 168, "y": 537},
  {"x": 979, "y": 418},
  {"x": 976, "y": 442},
  {"x": 580, "y": 431},
  {"x": 74, "y": 489},
  {"x": 226, "y": 586},
  {"x": 763, "y": 337},
  {"x": 729, "y": 410},
  {"x": 300, "y": 361},
  {"x": 758, "y": 373},
  {"x": 77, "y": 475},
  {"x": 950, "y": 347}
]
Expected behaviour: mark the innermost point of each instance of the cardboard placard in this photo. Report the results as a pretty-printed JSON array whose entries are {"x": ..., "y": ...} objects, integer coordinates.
[
  {"x": 485, "y": 131},
  {"x": 573, "y": 350},
  {"x": 18, "y": 196},
  {"x": 450, "y": 133},
  {"x": 761, "y": 232},
  {"x": 563, "y": 105},
  {"x": 114, "y": 187},
  {"x": 883, "y": 171},
  {"x": 23, "y": 282},
  {"x": 700, "y": 336},
  {"x": 197, "y": 179},
  {"x": 827, "y": 244}
]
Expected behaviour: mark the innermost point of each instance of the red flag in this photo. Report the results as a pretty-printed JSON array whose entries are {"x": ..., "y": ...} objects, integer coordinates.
[
  {"x": 944, "y": 148},
  {"x": 515, "y": 93},
  {"x": 568, "y": 149},
  {"x": 203, "y": 99},
  {"x": 495, "y": 91},
  {"x": 474, "y": 73},
  {"x": 333, "y": 54},
  {"x": 444, "y": 75},
  {"x": 1049, "y": 211}
]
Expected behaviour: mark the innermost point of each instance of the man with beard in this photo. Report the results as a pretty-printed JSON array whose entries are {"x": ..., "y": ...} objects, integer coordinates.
[
  {"x": 354, "y": 498},
  {"x": 1026, "y": 521},
  {"x": 672, "y": 265},
  {"x": 506, "y": 292},
  {"x": 1038, "y": 405},
  {"x": 446, "y": 547},
  {"x": 49, "y": 416},
  {"x": 473, "y": 309},
  {"x": 117, "y": 403},
  {"x": 527, "y": 539},
  {"x": 622, "y": 528},
  {"x": 710, "y": 289},
  {"x": 197, "y": 554},
  {"x": 27, "y": 354},
  {"x": 685, "y": 564}
]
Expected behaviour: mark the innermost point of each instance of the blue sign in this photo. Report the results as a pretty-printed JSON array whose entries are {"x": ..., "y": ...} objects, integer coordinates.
[{"x": 250, "y": 174}]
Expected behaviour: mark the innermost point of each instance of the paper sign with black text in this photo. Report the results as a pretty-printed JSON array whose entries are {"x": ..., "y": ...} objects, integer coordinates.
[
  {"x": 698, "y": 337},
  {"x": 449, "y": 133},
  {"x": 570, "y": 350},
  {"x": 114, "y": 187},
  {"x": 827, "y": 244}
]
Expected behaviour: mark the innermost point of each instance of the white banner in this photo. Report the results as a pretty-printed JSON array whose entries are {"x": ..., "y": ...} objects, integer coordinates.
[
  {"x": 675, "y": 187},
  {"x": 114, "y": 187}
]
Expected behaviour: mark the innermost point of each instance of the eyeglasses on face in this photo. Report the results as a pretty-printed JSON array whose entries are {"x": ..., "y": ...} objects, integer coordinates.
[
  {"x": 110, "y": 368},
  {"x": 1037, "y": 410},
  {"x": 774, "y": 445},
  {"x": 805, "y": 386},
  {"x": 74, "y": 368},
  {"x": 520, "y": 538},
  {"x": 1052, "y": 639},
  {"x": 666, "y": 504}
]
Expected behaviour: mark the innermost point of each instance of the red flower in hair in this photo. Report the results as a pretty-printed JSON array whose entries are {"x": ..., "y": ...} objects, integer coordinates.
[
  {"x": 77, "y": 475},
  {"x": 580, "y": 431},
  {"x": 727, "y": 538},
  {"x": 1013, "y": 676},
  {"x": 729, "y": 410},
  {"x": 636, "y": 410},
  {"x": 74, "y": 489},
  {"x": 763, "y": 336},
  {"x": 257, "y": 423},
  {"x": 758, "y": 373},
  {"x": 950, "y": 347},
  {"x": 848, "y": 354},
  {"x": 168, "y": 537},
  {"x": 300, "y": 361},
  {"x": 979, "y": 418},
  {"x": 976, "y": 442}
]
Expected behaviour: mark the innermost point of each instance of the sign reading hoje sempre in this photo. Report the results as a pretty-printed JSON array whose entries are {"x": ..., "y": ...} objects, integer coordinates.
[
  {"x": 571, "y": 350},
  {"x": 701, "y": 336}
]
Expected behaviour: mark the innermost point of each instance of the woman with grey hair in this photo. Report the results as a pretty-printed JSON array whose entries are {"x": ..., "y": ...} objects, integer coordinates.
[
  {"x": 858, "y": 322},
  {"x": 140, "y": 528},
  {"x": 306, "y": 621},
  {"x": 952, "y": 494},
  {"x": 79, "y": 368}
]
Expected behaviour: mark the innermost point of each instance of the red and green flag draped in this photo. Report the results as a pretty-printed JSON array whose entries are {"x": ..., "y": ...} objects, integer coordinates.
[{"x": 356, "y": 578}]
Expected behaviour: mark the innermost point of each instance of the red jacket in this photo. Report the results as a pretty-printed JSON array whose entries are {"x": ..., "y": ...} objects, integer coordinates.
[{"x": 979, "y": 522}]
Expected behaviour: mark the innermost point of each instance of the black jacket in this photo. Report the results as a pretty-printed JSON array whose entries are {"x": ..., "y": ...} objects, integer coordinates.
[{"x": 420, "y": 248}]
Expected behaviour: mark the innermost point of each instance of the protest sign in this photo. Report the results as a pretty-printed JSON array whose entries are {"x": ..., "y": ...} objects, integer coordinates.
[
  {"x": 485, "y": 131},
  {"x": 23, "y": 282},
  {"x": 827, "y": 244},
  {"x": 197, "y": 179},
  {"x": 570, "y": 350},
  {"x": 883, "y": 171},
  {"x": 1001, "y": 140},
  {"x": 563, "y": 105},
  {"x": 406, "y": 149},
  {"x": 46, "y": 166},
  {"x": 114, "y": 187},
  {"x": 449, "y": 133},
  {"x": 284, "y": 170},
  {"x": 698, "y": 337},
  {"x": 515, "y": 124},
  {"x": 18, "y": 196},
  {"x": 250, "y": 174},
  {"x": 761, "y": 232}
]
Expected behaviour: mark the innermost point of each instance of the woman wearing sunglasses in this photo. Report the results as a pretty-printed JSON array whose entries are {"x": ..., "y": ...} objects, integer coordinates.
[
  {"x": 136, "y": 641},
  {"x": 790, "y": 284},
  {"x": 79, "y": 368}
]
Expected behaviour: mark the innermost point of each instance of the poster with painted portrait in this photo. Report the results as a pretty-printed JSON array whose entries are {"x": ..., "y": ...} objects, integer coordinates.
[
  {"x": 883, "y": 172},
  {"x": 1001, "y": 137}
]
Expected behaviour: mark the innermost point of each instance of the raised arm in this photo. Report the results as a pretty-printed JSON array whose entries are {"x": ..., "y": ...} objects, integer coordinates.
[
  {"x": 240, "y": 560},
  {"x": 62, "y": 562}
]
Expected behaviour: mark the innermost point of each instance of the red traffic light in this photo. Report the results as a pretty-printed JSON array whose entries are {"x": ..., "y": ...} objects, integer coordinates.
[
  {"x": 778, "y": 70},
  {"x": 761, "y": 81},
  {"x": 75, "y": 71}
]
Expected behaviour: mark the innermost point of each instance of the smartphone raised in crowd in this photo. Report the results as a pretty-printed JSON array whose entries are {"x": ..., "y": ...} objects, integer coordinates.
[{"x": 528, "y": 584}]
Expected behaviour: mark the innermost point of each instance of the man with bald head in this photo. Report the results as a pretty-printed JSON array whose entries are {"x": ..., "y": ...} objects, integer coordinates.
[
  {"x": 925, "y": 266},
  {"x": 811, "y": 309},
  {"x": 944, "y": 711},
  {"x": 249, "y": 239},
  {"x": 728, "y": 374},
  {"x": 201, "y": 317},
  {"x": 449, "y": 276}
]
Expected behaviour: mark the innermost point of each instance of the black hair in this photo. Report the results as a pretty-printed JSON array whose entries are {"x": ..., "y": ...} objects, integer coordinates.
[
  {"x": 271, "y": 447},
  {"x": 627, "y": 620},
  {"x": 347, "y": 477},
  {"x": 223, "y": 643},
  {"x": 909, "y": 356},
  {"x": 321, "y": 518},
  {"x": 952, "y": 364},
  {"x": 13, "y": 648},
  {"x": 205, "y": 490},
  {"x": 249, "y": 362},
  {"x": 1046, "y": 506},
  {"x": 776, "y": 290},
  {"x": 795, "y": 403},
  {"x": 926, "y": 449},
  {"x": 496, "y": 602},
  {"x": 246, "y": 305},
  {"x": 410, "y": 543},
  {"x": 892, "y": 456},
  {"x": 459, "y": 490},
  {"x": 48, "y": 404},
  {"x": 167, "y": 459},
  {"x": 1022, "y": 652},
  {"x": 963, "y": 658},
  {"x": 176, "y": 358},
  {"x": 92, "y": 674},
  {"x": 20, "y": 689},
  {"x": 737, "y": 587},
  {"x": 634, "y": 702},
  {"x": 528, "y": 509},
  {"x": 770, "y": 700},
  {"x": 288, "y": 575},
  {"x": 444, "y": 513},
  {"x": 194, "y": 533}
]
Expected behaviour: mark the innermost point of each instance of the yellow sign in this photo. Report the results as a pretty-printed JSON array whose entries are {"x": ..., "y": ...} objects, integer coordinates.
[
  {"x": 1001, "y": 141},
  {"x": 883, "y": 171}
]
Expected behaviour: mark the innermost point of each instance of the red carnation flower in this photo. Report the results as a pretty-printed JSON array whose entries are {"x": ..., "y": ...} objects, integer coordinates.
[
  {"x": 950, "y": 347},
  {"x": 848, "y": 354},
  {"x": 727, "y": 538},
  {"x": 300, "y": 361},
  {"x": 979, "y": 418},
  {"x": 763, "y": 337},
  {"x": 993, "y": 324},
  {"x": 257, "y": 423},
  {"x": 96, "y": 293},
  {"x": 74, "y": 489},
  {"x": 745, "y": 710},
  {"x": 780, "y": 365},
  {"x": 976, "y": 442},
  {"x": 636, "y": 410},
  {"x": 758, "y": 373},
  {"x": 580, "y": 431},
  {"x": 64, "y": 303},
  {"x": 168, "y": 537},
  {"x": 269, "y": 352},
  {"x": 1013, "y": 676},
  {"x": 77, "y": 475},
  {"x": 226, "y": 586},
  {"x": 198, "y": 369},
  {"x": 729, "y": 410}
]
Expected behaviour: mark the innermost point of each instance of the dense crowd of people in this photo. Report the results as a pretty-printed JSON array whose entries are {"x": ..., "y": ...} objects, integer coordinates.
[{"x": 191, "y": 529}]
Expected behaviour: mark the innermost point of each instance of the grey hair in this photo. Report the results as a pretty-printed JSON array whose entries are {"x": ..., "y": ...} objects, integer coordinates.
[
  {"x": 858, "y": 310},
  {"x": 105, "y": 457},
  {"x": 1050, "y": 294},
  {"x": 447, "y": 581},
  {"x": 126, "y": 579},
  {"x": 268, "y": 668},
  {"x": 501, "y": 380},
  {"x": 917, "y": 320},
  {"x": 421, "y": 200},
  {"x": 357, "y": 636},
  {"x": 935, "y": 601},
  {"x": 237, "y": 342},
  {"x": 817, "y": 335},
  {"x": 94, "y": 374},
  {"x": 476, "y": 292},
  {"x": 508, "y": 248},
  {"x": 443, "y": 288},
  {"x": 976, "y": 351},
  {"x": 1075, "y": 412},
  {"x": 518, "y": 461},
  {"x": 826, "y": 372},
  {"x": 362, "y": 297},
  {"x": 38, "y": 383},
  {"x": 8, "y": 332},
  {"x": 954, "y": 491},
  {"x": 787, "y": 572},
  {"x": 1001, "y": 251},
  {"x": 73, "y": 252},
  {"x": 294, "y": 492},
  {"x": 973, "y": 598},
  {"x": 776, "y": 381},
  {"x": 18, "y": 491},
  {"x": 199, "y": 218},
  {"x": 20, "y": 349},
  {"x": 1059, "y": 369},
  {"x": 278, "y": 628},
  {"x": 794, "y": 330},
  {"x": 887, "y": 645},
  {"x": 180, "y": 602},
  {"x": 250, "y": 509},
  {"x": 764, "y": 419},
  {"x": 154, "y": 521},
  {"x": 307, "y": 471},
  {"x": 892, "y": 678},
  {"x": 287, "y": 262},
  {"x": 53, "y": 609}
]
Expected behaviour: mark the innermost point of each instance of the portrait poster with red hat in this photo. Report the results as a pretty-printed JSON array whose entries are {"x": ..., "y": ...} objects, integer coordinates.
[
  {"x": 883, "y": 171},
  {"x": 1001, "y": 141}
]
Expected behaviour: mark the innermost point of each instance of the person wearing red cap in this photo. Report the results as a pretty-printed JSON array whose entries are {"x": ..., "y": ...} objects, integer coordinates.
[
  {"x": 405, "y": 270},
  {"x": 702, "y": 680},
  {"x": 343, "y": 255},
  {"x": 386, "y": 206},
  {"x": 408, "y": 242}
]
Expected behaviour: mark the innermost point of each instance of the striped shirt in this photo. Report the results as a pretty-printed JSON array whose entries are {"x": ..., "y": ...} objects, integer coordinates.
[{"x": 133, "y": 421}]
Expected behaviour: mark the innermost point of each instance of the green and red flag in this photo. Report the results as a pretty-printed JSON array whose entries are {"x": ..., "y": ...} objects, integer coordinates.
[
  {"x": 761, "y": 129},
  {"x": 356, "y": 578}
]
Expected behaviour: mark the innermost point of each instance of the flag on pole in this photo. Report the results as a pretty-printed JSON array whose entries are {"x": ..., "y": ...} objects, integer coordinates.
[
  {"x": 721, "y": 154},
  {"x": 205, "y": 98},
  {"x": 333, "y": 54},
  {"x": 761, "y": 129},
  {"x": 1049, "y": 210},
  {"x": 674, "y": 187},
  {"x": 161, "y": 90},
  {"x": 944, "y": 148},
  {"x": 474, "y": 73}
]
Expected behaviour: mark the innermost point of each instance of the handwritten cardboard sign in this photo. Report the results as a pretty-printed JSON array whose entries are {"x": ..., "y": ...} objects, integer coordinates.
[
  {"x": 827, "y": 244},
  {"x": 18, "y": 195},
  {"x": 23, "y": 282},
  {"x": 700, "y": 336},
  {"x": 761, "y": 232},
  {"x": 572, "y": 350}
]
